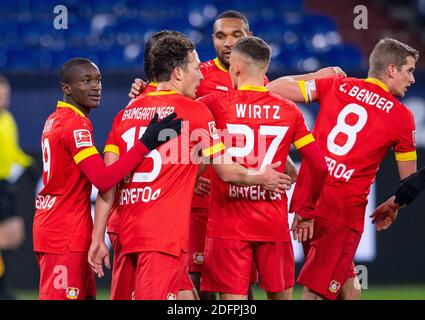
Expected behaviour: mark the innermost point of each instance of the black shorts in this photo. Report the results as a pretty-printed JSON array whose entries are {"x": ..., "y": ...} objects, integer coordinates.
[{"x": 7, "y": 200}]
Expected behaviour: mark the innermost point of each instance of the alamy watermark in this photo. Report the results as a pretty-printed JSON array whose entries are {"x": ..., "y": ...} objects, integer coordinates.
[
  {"x": 361, "y": 20},
  {"x": 61, "y": 19}
]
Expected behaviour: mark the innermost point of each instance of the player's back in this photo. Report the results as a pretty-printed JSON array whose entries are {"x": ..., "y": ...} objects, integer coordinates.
[
  {"x": 258, "y": 129},
  {"x": 358, "y": 122},
  {"x": 155, "y": 199},
  {"x": 62, "y": 217}
]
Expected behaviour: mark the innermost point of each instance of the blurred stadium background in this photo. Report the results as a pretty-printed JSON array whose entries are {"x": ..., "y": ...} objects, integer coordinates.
[{"x": 305, "y": 35}]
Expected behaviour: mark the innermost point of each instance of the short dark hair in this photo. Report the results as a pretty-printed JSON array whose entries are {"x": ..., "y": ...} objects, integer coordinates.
[
  {"x": 389, "y": 51},
  {"x": 233, "y": 14},
  {"x": 151, "y": 41},
  {"x": 4, "y": 81},
  {"x": 255, "y": 48},
  {"x": 68, "y": 67},
  {"x": 168, "y": 53}
]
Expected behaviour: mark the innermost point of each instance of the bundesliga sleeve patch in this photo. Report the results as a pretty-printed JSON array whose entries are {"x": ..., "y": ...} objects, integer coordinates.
[
  {"x": 213, "y": 130},
  {"x": 82, "y": 138}
]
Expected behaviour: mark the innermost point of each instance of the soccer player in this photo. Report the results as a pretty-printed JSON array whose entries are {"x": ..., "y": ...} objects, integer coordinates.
[
  {"x": 155, "y": 200},
  {"x": 358, "y": 122},
  {"x": 122, "y": 284},
  {"x": 71, "y": 164},
  {"x": 249, "y": 223},
  {"x": 406, "y": 193}
]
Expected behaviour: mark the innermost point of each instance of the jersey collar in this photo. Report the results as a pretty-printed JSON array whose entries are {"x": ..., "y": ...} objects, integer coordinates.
[
  {"x": 219, "y": 65},
  {"x": 378, "y": 83},
  {"x": 62, "y": 104},
  {"x": 153, "y": 84},
  {"x": 247, "y": 87},
  {"x": 162, "y": 93}
]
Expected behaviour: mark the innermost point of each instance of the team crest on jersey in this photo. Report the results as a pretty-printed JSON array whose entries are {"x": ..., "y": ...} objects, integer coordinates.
[
  {"x": 213, "y": 130},
  {"x": 198, "y": 257},
  {"x": 72, "y": 293},
  {"x": 171, "y": 296},
  {"x": 82, "y": 138},
  {"x": 334, "y": 286}
]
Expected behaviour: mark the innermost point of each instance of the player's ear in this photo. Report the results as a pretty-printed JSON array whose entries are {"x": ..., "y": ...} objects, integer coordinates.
[
  {"x": 66, "y": 88},
  {"x": 391, "y": 70},
  {"x": 178, "y": 73}
]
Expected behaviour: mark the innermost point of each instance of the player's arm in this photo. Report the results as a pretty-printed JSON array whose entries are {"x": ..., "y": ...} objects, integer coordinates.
[
  {"x": 307, "y": 190},
  {"x": 411, "y": 185},
  {"x": 321, "y": 73},
  {"x": 99, "y": 252},
  {"x": 269, "y": 178},
  {"x": 105, "y": 177}
]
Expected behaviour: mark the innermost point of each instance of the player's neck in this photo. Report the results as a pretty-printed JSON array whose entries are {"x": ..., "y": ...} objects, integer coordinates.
[
  {"x": 251, "y": 81},
  {"x": 168, "y": 86},
  {"x": 78, "y": 106}
]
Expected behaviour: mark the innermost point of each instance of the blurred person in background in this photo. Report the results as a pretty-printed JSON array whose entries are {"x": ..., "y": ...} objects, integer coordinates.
[{"x": 13, "y": 162}]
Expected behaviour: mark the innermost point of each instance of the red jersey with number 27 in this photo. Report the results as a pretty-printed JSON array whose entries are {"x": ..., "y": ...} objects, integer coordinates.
[{"x": 258, "y": 128}]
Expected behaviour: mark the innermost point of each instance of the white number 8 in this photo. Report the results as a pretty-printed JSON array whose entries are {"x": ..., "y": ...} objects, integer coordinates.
[{"x": 350, "y": 130}]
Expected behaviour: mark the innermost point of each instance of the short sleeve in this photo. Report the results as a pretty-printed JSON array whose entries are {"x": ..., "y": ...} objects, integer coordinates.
[
  {"x": 112, "y": 141},
  {"x": 320, "y": 86},
  {"x": 404, "y": 148},
  {"x": 78, "y": 139},
  {"x": 302, "y": 136},
  {"x": 206, "y": 132}
]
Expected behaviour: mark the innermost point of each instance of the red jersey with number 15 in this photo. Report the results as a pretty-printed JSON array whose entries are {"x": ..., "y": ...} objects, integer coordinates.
[
  {"x": 155, "y": 200},
  {"x": 258, "y": 128},
  {"x": 111, "y": 146},
  {"x": 358, "y": 122}
]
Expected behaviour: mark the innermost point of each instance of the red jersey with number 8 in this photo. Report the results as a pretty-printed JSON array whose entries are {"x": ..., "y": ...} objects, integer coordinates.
[{"x": 358, "y": 122}]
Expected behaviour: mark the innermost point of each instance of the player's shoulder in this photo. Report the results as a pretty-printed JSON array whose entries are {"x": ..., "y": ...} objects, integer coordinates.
[
  {"x": 71, "y": 118},
  {"x": 283, "y": 101},
  {"x": 207, "y": 64}
]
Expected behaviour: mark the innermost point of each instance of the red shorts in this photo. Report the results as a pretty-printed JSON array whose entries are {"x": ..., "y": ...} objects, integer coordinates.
[
  {"x": 197, "y": 234},
  {"x": 123, "y": 272},
  {"x": 159, "y": 276},
  {"x": 329, "y": 260},
  {"x": 65, "y": 276},
  {"x": 228, "y": 265}
]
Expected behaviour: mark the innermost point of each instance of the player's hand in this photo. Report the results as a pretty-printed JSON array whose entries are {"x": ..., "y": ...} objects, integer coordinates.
[
  {"x": 385, "y": 214},
  {"x": 97, "y": 256},
  {"x": 302, "y": 228},
  {"x": 275, "y": 181},
  {"x": 137, "y": 87},
  {"x": 329, "y": 72},
  {"x": 156, "y": 133},
  {"x": 291, "y": 170},
  {"x": 202, "y": 186}
]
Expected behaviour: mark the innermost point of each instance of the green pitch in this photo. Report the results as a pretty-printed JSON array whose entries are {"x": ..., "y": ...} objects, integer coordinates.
[{"x": 374, "y": 292}]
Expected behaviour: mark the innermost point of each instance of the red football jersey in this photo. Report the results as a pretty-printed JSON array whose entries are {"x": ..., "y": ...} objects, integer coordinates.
[
  {"x": 62, "y": 219},
  {"x": 358, "y": 122},
  {"x": 111, "y": 146},
  {"x": 258, "y": 128},
  {"x": 216, "y": 78},
  {"x": 155, "y": 200}
]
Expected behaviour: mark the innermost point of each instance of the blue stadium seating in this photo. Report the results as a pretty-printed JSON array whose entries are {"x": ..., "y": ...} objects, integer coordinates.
[{"x": 114, "y": 32}]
